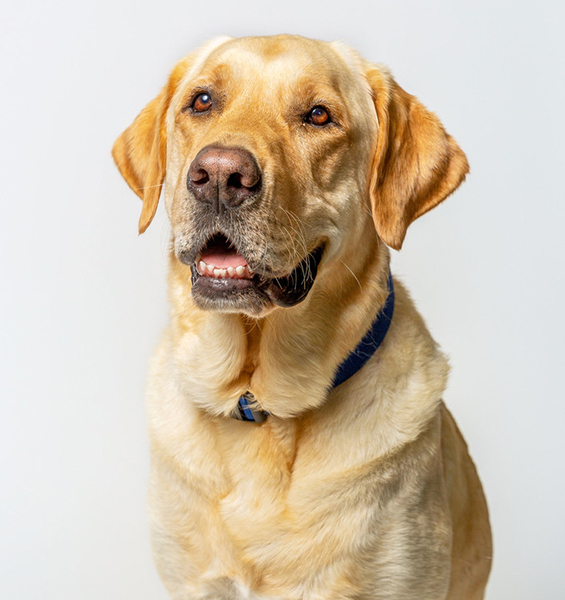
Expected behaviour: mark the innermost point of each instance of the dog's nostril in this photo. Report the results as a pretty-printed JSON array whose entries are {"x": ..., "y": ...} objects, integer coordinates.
[
  {"x": 235, "y": 180},
  {"x": 200, "y": 177}
]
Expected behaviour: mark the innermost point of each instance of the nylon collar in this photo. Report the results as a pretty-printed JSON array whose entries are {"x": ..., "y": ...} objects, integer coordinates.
[{"x": 246, "y": 409}]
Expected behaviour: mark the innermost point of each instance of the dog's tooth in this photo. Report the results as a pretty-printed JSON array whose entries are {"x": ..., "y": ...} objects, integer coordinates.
[
  {"x": 202, "y": 267},
  {"x": 217, "y": 272},
  {"x": 210, "y": 270},
  {"x": 240, "y": 270},
  {"x": 231, "y": 271}
]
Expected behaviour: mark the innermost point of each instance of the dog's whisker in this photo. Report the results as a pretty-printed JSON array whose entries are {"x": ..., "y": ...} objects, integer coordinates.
[
  {"x": 354, "y": 276},
  {"x": 148, "y": 187}
]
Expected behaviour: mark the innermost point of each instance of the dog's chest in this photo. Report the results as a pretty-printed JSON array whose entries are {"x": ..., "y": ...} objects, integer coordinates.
[
  {"x": 287, "y": 511},
  {"x": 282, "y": 521}
]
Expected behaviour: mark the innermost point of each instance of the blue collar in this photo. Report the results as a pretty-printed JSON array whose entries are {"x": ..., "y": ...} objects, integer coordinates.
[{"x": 246, "y": 408}]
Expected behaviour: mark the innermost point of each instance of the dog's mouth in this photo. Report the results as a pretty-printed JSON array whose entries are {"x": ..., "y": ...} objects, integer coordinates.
[{"x": 223, "y": 279}]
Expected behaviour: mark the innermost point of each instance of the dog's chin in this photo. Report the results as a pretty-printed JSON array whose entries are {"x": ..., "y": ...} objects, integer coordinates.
[
  {"x": 229, "y": 295},
  {"x": 255, "y": 295}
]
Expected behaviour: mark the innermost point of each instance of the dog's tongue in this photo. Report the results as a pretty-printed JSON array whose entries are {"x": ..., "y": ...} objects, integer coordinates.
[{"x": 222, "y": 259}]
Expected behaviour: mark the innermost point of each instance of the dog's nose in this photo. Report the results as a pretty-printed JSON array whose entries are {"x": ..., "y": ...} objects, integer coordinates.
[{"x": 224, "y": 177}]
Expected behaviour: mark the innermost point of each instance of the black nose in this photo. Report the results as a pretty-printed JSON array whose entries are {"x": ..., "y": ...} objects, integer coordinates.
[{"x": 224, "y": 177}]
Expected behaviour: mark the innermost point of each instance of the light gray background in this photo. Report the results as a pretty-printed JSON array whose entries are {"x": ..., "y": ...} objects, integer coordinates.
[{"x": 83, "y": 297}]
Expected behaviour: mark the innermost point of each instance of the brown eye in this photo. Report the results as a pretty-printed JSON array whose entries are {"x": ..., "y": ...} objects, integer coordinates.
[
  {"x": 319, "y": 116},
  {"x": 202, "y": 102}
]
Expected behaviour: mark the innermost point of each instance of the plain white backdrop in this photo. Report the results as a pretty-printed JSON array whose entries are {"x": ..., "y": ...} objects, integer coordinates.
[{"x": 83, "y": 298}]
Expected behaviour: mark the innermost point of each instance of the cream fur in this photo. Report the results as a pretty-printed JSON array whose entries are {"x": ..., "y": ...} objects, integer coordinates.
[{"x": 367, "y": 491}]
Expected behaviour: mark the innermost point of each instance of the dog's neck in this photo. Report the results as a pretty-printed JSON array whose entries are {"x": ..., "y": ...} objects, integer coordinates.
[
  {"x": 249, "y": 410},
  {"x": 230, "y": 354}
]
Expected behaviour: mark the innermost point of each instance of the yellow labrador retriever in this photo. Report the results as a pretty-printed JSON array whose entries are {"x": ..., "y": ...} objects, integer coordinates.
[{"x": 300, "y": 448}]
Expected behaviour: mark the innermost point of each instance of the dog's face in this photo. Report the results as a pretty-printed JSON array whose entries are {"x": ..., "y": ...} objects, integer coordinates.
[
  {"x": 273, "y": 152},
  {"x": 268, "y": 162}
]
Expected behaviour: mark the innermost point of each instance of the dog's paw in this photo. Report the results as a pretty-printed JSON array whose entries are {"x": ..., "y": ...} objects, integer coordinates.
[{"x": 224, "y": 588}]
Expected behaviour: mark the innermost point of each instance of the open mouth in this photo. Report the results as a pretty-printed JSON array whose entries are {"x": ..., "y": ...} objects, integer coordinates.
[{"x": 221, "y": 274}]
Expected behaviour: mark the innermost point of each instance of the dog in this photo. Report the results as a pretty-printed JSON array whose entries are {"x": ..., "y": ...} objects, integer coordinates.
[{"x": 300, "y": 447}]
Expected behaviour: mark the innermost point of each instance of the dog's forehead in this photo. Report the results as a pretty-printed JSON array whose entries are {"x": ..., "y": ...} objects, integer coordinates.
[{"x": 280, "y": 60}]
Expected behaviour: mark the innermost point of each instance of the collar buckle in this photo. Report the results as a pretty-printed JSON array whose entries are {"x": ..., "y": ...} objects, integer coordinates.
[{"x": 247, "y": 409}]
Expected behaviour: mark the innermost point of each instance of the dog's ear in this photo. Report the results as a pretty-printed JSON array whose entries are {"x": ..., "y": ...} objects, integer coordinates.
[
  {"x": 417, "y": 163},
  {"x": 140, "y": 153}
]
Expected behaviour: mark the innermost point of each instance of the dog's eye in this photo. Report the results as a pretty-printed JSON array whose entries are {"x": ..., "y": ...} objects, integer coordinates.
[
  {"x": 319, "y": 116},
  {"x": 202, "y": 102}
]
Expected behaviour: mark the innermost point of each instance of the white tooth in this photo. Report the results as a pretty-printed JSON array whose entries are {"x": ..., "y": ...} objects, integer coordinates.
[
  {"x": 202, "y": 267},
  {"x": 231, "y": 271},
  {"x": 223, "y": 273},
  {"x": 217, "y": 272},
  {"x": 210, "y": 269},
  {"x": 240, "y": 270}
]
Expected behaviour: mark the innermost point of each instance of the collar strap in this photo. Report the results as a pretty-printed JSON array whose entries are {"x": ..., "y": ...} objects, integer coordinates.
[
  {"x": 247, "y": 410},
  {"x": 370, "y": 342}
]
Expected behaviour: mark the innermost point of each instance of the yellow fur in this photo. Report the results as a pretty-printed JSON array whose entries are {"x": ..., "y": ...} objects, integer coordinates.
[{"x": 363, "y": 492}]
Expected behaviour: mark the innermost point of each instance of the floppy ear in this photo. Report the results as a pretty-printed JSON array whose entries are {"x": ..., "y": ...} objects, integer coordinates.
[
  {"x": 417, "y": 163},
  {"x": 140, "y": 153}
]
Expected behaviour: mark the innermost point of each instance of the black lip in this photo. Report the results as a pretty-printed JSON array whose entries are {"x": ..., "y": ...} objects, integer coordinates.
[
  {"x": 258, "y": 292},
  {"x": 222, "y": 286},
  {"x": 293, "y": 289}
]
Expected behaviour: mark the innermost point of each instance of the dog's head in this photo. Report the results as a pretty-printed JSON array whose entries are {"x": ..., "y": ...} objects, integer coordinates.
[{"x": 274, "y": 152}]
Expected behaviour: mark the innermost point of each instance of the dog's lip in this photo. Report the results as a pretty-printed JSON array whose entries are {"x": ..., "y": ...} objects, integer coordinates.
[
  {"x": 293, "y": 288},
  {"x": 224, "y": 277}
]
